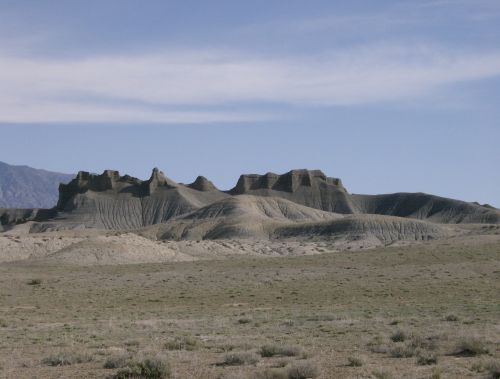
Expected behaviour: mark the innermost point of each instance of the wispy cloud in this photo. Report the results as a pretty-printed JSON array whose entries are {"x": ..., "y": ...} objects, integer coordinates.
[
  {"x": 391, "y": 16},
  {"x": 179, "y": 86}
]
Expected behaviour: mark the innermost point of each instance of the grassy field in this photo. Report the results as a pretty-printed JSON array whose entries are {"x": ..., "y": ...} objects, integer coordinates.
[{"x": 423, "y": 311}]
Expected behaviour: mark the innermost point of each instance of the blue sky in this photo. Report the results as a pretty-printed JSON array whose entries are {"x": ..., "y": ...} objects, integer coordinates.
[{"x": 388, "y": 95}]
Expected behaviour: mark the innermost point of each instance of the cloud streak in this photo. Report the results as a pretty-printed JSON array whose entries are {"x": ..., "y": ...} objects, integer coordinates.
[{"x": 193, "y": 86}]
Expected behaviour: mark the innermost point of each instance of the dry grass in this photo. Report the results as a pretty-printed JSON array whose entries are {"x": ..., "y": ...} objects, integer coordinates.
[
  {"x": 66, "y": 358},
  {"x": 333, "y": 306},
  {"x": 471, "y": 347},
  {"x": 426, "y": 358},
  {"x": 355, "y": 361},
  {"x": 268, "y": 351},
  {"x": 241, "y": 358},
  {"x": 147, "y": 368},
  {"x": 185, "y": 342},
  {"x": 493, "y": 369},
  {"x": 399, "y": 336},
  {"x": 303, "y": 370}
]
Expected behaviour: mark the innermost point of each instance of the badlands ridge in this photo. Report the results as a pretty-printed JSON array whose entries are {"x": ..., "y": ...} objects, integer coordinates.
[{"x": 110, "y": 218}]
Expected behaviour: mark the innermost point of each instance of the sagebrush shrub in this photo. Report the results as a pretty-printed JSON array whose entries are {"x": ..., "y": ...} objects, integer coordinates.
[{"x": 242, "y": 358}]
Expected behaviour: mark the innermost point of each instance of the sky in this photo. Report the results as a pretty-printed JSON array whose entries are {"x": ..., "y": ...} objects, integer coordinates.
[{"x": 389, "y": 95}]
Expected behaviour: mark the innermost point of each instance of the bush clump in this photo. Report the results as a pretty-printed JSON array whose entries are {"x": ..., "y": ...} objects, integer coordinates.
[
  {"x": 418, "y": 342},
  {"x": 147, "y": 368},
  {"x": 272, "y": 373},
  {"x": 425, "y": 358},
  {"x": 355, "y": 361},
  {"x": 399, "y": 336},
  {"x": 116, "y": 361},
  {"x": 402, "y": 351},
  {"x": 303, "y": 370},
  {"x": 470, "y": 347},
  {"x": 188, "y": 343},
  {"x": 239, "y": 359},
  {"x": 451, "y": 318},
  {"x": 381, "y": 374},
  {"x": 65, "y": 358},
  {"x": 493, "y": 369},
  {"x": 268, "y": 351}
]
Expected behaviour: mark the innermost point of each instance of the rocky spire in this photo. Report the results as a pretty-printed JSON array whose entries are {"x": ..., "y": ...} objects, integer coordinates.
[
  {"x": 157, "y": 180},
  {"x": 202, "y": 184}
]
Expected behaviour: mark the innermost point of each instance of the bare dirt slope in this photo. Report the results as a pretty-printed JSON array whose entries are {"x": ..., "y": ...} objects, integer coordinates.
[
  {"x": 423, "y": 206},
  {"x": 241, "y": 216}
]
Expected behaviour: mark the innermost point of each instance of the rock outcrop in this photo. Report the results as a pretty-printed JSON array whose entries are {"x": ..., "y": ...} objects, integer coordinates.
[
  {"x": 112, "y": 201},
  {"x": 202, "y": 184},
  {"x": 311, "y": 188},
  {"x": 255, "y": 207},
  {"x": 10, "y": 217}
]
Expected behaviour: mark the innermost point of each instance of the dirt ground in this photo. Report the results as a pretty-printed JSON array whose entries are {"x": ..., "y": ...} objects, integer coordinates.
[{"x": 425, "y": 311}]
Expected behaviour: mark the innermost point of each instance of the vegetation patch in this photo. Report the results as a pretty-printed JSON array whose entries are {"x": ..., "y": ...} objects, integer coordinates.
[
  {"x": 402, "y": 351},
  {"x": 303, "y": 370},
  {"x": 116, "y": 361},
  {"x": 272, "y": 373},
  {"x": 470, "y": 347},
  {"x": 65, "y": 358},
  {"x": 188, "y": 343},
  {"x": 355, "y": 362},
  {"x": 268, "y": 351},
  {"x": 147, "y": 368},
  {"x": 426, "y": 358},
  {"x": 239, "y": 359},
  {"x": 493, "y": 369},
  {"x": 399, "y": 336}
]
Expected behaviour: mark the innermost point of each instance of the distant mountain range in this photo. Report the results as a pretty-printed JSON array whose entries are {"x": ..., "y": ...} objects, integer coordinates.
[{"x": 26, "y": 187}]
